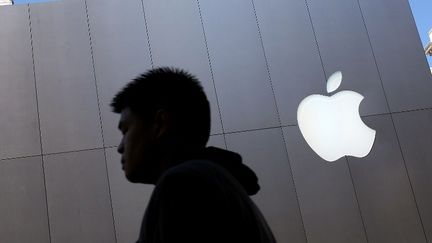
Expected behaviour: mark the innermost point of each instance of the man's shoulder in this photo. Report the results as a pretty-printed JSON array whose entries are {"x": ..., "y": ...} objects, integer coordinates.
[
  {"x": 196, "y": 172},
  {"x": 196, "y": 168}
]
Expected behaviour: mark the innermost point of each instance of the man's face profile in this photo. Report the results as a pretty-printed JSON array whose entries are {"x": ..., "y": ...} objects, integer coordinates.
[
  {"x": 137, "y": 147},
  {"x": 161, "y": 112}
]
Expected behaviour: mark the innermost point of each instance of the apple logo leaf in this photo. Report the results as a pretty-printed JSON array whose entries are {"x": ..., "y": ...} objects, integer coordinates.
[{"x": 334, "y": 81}]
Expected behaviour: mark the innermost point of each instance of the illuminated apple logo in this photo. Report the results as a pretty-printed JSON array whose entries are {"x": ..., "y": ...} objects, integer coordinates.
[{"x": 332, "y": 125}]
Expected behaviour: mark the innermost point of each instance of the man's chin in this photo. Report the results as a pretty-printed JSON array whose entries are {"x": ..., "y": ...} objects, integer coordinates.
[
  {"x": 134, "y": 178},
  {"x": 131, "y": 177}
]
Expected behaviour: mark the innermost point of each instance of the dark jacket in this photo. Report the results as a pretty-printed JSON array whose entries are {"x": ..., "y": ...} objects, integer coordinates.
[{"x": 205, "y": 199}]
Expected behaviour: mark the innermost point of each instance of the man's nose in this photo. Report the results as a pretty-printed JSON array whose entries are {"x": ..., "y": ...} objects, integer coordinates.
[{"x": 120, "y": 148}]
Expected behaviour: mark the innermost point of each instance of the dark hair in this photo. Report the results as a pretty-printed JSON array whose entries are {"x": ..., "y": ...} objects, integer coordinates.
[{"x": 174, "y": 90}]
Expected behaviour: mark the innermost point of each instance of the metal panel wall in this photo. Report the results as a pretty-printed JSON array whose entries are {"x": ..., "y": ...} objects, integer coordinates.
[
  {"x": 23, "y": 207},
  {"x": 78, "y": 198},
  {"x": 344, "y": 46},
  {"x": 326, "y": 195},
  {"x": 120, "y": 52},
  {"x": 399, "y": 54},
  {"x": 383, "y": 188},
  {"x": 292, "y": 54},
  {"x": 177, "y": 40},
  {"x": 68, "y": 106},
  {"x": 245, "y": 95},
  {"x": 414, "y": 130},
  {"x": 19, "y": 133}
]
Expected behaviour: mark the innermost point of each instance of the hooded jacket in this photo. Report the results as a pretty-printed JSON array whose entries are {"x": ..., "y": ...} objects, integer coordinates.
[{"x": 205, "y": 199}]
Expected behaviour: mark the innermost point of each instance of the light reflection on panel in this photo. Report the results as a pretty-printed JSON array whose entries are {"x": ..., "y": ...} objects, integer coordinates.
[
  {"x": 129, "y": 200},
  {"x": 414, "y": 130},
  {"x": 19, "y": 128},
  {"x": 177, "y": 39},
  {"x": 78, "y": 197},
  {"x": 264, "y": 152},
  {"x": 240, "y": 73},
  {"x": 383, "y": 188},
  {"x": 345, "y": 47},
  {"x": 5, "y": 2},
  {"x": 326, "y": 194},
  {"x": 400, "y": 56},
  {"x": 66, "y": 88},
  {"x": 120, "y": 52},
  {"x": 292, "y": 54}
]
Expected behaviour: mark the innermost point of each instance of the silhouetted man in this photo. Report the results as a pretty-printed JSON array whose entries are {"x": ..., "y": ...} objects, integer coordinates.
[{"x": 201, "y": 193}]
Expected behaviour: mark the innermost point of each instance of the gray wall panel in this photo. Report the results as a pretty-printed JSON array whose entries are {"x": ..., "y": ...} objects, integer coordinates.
[
  {"x": 78, "y": 198},
  {"x": 292, "y": 54},
  {"x": 177, "y": 39},
  {"x": 23, "y": 206},
  {"x": 19, "y": 131},
  {"x": 245, "y": 96},
  {"x": 383, "y": 188},
  {"x": 414, "y": 130},
  {"x": 264, "y": 152},
  {"x": 129, "y": 200},
  {"x": 217, "y": 141},
  {"x": 65, "y": 81},
  {"x": 344, "y": 46},
  {"x": 120, "y": 50},
  {"x": 399, "y": 54},
  {"x": 326, "y": 194}
]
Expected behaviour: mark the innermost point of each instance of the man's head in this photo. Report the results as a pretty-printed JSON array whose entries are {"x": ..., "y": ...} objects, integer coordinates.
[{"x": 159, "y": 109}]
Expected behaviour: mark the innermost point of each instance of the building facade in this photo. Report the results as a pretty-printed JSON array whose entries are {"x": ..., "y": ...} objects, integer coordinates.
[{"x": 62, "y": 62}]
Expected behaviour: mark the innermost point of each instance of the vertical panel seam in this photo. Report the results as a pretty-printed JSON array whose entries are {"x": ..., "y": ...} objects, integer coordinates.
[
  {"x": 39, "y": 121},
  {"x": 393, "y": 123},
  {"x": 357, "y": 200},
  {"x": 346, "y": 161},
  {"x": 147, "y": 33},
  {"x": 100, "y": 116},
  {"x": 316, "y": 39},
  {"x": 211, "y": 72},
  {"x": 279, "y": 118}
]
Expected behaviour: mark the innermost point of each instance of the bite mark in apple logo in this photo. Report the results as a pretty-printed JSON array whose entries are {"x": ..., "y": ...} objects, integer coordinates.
[{"x": 332, "y": 126}]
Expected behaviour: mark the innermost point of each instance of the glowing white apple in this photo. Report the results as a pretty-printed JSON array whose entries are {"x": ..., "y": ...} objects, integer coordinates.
[{"x": 332, "y": 125}]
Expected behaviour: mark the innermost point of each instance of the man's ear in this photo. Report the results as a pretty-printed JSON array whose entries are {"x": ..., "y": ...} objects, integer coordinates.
[{"x": 162, "y": 122}]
